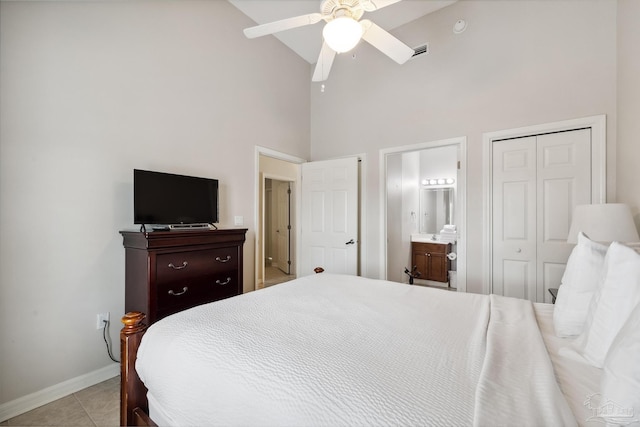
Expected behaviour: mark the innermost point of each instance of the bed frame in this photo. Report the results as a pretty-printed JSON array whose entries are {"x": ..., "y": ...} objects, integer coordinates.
[{"x": 134, "y": 407}]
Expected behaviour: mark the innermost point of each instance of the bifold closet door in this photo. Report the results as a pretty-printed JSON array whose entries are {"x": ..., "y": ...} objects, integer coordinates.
[
  {"x": 563, "y": 181},
  {"x": 514, "y": 217},
  {"x": 537, "y": 182}
]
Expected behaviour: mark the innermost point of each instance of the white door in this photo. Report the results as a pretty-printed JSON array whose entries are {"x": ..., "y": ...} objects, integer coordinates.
[
  {"x": 514, "y": 221},
  {"x": 283, "y": 225},
  {"x": 537, "y": 182},
  {"x": 329, "y": 216}
]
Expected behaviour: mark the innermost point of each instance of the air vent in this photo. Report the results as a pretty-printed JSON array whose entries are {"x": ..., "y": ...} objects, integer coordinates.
[{"x": 420, "y": 50}]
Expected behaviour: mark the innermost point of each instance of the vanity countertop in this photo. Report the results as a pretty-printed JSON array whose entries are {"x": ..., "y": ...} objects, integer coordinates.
[{"x": 426, "y": 238}]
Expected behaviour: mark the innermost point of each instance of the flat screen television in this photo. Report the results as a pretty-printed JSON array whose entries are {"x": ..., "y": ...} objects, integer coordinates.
[{"x": 168, "y": 199}]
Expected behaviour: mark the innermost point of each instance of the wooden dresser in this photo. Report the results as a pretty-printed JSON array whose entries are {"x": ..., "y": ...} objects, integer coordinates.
[
  {"x": 431, "y": 260},
  {"x": 170, "y": 271}
]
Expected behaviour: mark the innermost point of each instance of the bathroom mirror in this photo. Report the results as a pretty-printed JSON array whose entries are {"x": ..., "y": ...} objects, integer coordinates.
[{"x": 436, "y": 209}]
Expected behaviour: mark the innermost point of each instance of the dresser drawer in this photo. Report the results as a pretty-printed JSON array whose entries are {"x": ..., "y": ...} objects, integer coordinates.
[
  {"x": 179, "y": 267},
  {"x": 178, "y": 296},
  {"x": 164, "y": 311}
]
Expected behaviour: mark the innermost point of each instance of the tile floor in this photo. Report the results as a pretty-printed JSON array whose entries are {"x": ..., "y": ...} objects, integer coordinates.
[
  {"x": 95, "y": 406},
  {"x": 274, "y": 275}
]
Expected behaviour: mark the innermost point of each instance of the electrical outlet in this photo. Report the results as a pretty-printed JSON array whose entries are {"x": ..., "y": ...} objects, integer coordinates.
[{"x": 101, "y": 318}]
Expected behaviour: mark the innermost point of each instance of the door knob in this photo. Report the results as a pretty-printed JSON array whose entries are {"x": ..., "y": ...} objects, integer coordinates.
[
  {"x": 350, "y": 242},
  {"x": 518, "y": 250}
]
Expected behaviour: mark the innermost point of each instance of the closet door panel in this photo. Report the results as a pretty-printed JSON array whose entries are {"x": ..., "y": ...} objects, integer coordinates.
[
  {"x": 514, "y": 213},
  {"x": 563, "y": 181}
]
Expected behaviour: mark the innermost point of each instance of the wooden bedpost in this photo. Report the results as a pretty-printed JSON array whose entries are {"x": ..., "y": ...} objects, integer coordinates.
[{"x": 133, "y": 393}]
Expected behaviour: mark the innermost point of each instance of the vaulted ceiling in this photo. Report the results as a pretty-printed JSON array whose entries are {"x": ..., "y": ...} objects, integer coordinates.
[{"x": 306, "y": 41}]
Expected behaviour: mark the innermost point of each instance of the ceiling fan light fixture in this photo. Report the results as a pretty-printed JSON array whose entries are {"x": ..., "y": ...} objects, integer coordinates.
[{"x": 342, "y": 34}]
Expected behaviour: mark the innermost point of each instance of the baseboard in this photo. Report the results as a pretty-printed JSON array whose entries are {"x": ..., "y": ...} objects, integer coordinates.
[{"x": 34, "y": 400}]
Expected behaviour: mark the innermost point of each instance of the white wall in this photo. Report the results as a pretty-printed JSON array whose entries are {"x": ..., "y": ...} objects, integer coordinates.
[
  {"x": 439, "y": 162},
  {"x": 409, "y": 223},
  {"x": 395, "y": 214},
  {"x": 628, "y": 172},
  {"x": 518, "y": 63},
  {"x": 91, "y": 90},
  {"x": 278, "y": 169}
]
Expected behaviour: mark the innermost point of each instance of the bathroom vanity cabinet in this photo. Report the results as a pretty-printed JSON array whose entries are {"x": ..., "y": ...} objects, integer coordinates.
[{"x": 431, "y": 260}]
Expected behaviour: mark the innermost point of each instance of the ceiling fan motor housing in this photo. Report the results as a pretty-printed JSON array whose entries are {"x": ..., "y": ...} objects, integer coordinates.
[{"x": 329, "y": 8}]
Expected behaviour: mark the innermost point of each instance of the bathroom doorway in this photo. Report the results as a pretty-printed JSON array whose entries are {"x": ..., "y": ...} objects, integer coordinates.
[
  {"x": 278, "y": 229},
  {"x": 282, "y": 171},
  {"x": 424, "y": 189}
]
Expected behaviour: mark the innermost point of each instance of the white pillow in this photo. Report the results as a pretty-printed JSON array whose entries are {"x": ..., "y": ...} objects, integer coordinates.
[
  {"x": 579, "y": 283},
  {"x": 612, "y": 304},
  {"x": 620, "y": 386}
]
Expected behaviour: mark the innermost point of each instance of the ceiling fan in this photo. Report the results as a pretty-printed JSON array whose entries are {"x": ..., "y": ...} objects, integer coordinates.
[{"x": 342, "y": 31}]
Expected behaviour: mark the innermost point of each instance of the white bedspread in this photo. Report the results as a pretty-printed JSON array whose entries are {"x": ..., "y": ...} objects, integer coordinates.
[{"x": 340, "y": 350}]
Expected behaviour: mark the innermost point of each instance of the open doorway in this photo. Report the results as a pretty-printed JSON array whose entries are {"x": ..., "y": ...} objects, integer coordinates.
[
  {"x": 277, "y": 188},
  {"x": 278, "y": 228},
  {"x": 276, "y": 166},
  {"x": 410, "y": 176}
]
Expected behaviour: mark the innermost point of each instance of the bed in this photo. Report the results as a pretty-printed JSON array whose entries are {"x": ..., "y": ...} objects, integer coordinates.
[{"x": 343, "y": 350}]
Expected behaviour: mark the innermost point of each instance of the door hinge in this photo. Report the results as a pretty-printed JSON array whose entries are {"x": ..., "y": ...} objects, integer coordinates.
[{"x": 458, "y": 164}]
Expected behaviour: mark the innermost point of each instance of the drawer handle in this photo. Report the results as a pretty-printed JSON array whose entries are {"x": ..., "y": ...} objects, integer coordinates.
[
  {"x": 227, "y": 259},
  {"x": 218, "y": 282},
  {"x": 428, "y": 254},
  {"x": 184, "y": 290},
  {"x": 184, "y": 264}
]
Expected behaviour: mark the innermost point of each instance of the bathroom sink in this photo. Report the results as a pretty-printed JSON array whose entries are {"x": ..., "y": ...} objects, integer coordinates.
[{"x": 427, "y": 238}]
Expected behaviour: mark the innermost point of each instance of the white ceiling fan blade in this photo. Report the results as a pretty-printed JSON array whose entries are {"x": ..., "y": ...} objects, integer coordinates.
[
  {"x": 385, "y": 42},
  {"x": 282, "y": 25},
  {"x": 371, "y": 5},
  {"x": 325, "y": 60}
]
